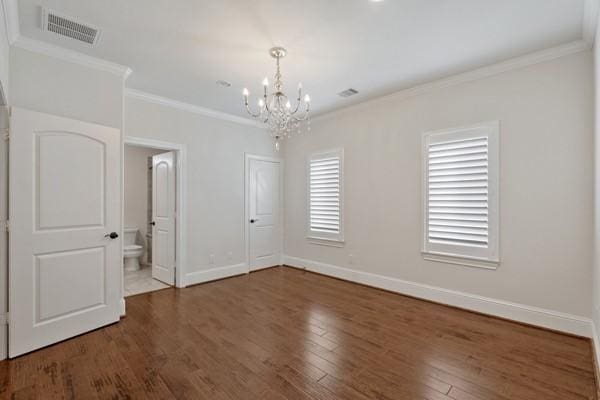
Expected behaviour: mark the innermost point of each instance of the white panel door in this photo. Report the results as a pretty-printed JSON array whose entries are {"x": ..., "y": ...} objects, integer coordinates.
[
  {"x": 265, "y": 216},
  {"x": 65, "y": 201},
  {"x": 163, "y": 217}
]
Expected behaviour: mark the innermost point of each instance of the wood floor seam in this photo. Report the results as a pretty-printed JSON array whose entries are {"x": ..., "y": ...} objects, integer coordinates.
[{"x": 283, "y": 334}]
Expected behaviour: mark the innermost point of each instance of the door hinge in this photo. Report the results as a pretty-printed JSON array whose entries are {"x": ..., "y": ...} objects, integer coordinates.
[
  {"x": 5, "y": 134},
  {"x": 7, "y": 226},
  {"x": 4, "y": 318}
]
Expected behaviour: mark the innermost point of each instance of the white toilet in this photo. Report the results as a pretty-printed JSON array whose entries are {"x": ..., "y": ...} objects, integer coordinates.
[{"x": 131, "y": 251}]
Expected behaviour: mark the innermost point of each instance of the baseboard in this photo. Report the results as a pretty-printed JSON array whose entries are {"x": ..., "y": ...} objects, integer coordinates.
[
  {"x": 596, "y": 354},
  {"x": 194, "y": 278},
  {"x": 122, "y": 306},
  {"x": 549, "y": 319},
  {"x": 3, "y": 342}
]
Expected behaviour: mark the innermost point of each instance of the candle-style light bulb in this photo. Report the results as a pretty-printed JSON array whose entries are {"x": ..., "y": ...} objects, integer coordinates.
[
  {"x": 261, "y": 103},
  {"x": 246, "y": 92},
  {"x": 266, "y": 82},
  {"x": 288, "y": 105},
  {"x": 299, "y": 85},
  {"x": 307, "y": 99}
]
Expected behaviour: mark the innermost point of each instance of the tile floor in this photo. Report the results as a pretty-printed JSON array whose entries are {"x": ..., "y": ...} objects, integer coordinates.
[{"x": 141, "y": 281}]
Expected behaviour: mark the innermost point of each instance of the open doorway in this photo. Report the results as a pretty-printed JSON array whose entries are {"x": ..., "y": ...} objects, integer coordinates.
[
  {"x": 161, "y": 167},
  {"x": 146, "y": 172}
]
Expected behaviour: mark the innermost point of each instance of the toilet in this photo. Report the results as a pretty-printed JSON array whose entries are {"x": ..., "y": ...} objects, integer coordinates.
[{"x": 131, "y": 251}]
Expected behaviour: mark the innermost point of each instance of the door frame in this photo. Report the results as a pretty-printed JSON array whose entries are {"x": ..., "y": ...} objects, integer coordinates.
[
  {"x": 180, "y": 201},
  {"x": 4, "y": 154},
  {"x": 247, "y": 158}
]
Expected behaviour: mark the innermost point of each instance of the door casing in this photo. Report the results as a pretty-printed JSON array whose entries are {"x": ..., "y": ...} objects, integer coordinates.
[
  {"x": 4, "y": 122},
  {"x": 279, "y": 160}
]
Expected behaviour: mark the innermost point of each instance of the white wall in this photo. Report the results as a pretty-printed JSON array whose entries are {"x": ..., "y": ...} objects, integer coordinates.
[
  {"x": 545, "y": 190},
  {"x": 135, "y": 201},
  {"x": 4, "y": 94},
  {"x": 52, "y": 85},
  {"x": 4, "y": 54},
  {"x": 596, "y": 246},
  {"x": 46, "y": 84},
  {"x": 215, "y": 177}
]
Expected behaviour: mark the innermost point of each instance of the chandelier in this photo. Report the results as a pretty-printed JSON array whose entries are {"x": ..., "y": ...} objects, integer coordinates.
[{"x": 275, "y": 110}]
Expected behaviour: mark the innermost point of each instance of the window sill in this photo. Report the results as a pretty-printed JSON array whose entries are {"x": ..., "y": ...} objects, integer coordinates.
[
  {"x": 325, "y": 242},
  {"x": 464, "y": 261}
]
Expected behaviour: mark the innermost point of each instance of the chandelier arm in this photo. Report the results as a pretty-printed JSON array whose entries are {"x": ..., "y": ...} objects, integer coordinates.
[
  {"x": 303, "y": 117},
  {"x": 300, "y": 118},
  {"x": 297, "y": 106},
  {"x": 251, "y": 113}
]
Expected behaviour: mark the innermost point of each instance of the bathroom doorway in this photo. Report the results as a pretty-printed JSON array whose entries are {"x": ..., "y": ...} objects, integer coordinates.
[{"x": 150, "y": 209}]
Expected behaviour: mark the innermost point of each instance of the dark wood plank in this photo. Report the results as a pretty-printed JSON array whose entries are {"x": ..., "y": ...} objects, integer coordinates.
[{"x": 284, "y": 334}]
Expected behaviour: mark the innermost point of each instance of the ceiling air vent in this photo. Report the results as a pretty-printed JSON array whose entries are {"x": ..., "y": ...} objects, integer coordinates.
[
  {"x": 348, "y": 92},
  {"x": 69, "y": 27}
]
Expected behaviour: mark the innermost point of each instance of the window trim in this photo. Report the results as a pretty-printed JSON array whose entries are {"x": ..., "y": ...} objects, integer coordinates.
[
  {"x": 452, "y": 254},
  {"x": 324, "y": 238}
]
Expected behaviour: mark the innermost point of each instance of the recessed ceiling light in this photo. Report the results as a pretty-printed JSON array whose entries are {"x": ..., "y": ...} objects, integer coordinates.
[{"x": 223, "y": 83}]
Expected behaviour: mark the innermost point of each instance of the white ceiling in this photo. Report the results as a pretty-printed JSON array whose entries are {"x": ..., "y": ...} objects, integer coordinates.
[{"x": 179, "y": 48}]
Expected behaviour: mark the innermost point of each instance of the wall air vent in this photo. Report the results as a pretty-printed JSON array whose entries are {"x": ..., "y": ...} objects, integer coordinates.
[
  {"x": 348, "y": 92},
  {"x": 69, "y": 27}
]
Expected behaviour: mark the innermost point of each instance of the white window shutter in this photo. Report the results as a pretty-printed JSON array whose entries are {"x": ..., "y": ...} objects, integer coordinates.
[
  {"x": 461, "y": 196},
  {"x": 325, "y": 195},
  {"x": 458, "y": 192}
]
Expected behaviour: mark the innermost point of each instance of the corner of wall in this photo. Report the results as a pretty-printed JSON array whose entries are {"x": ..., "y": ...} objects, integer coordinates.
[{"x": 596, "y": 192}]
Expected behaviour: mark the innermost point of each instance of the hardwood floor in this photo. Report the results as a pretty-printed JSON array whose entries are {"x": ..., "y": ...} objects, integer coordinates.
[{"x": 287, "y": 334}]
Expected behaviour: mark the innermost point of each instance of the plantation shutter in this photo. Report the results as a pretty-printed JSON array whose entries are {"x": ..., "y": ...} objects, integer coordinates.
[
  {"x": 461, "y": 192},
  {"x": 458, "y": 192},
  {"x": 325, "y": 195}
]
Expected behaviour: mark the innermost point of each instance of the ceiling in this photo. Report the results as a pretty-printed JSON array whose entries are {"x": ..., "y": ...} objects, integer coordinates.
[{"x": 180, "y": 48}]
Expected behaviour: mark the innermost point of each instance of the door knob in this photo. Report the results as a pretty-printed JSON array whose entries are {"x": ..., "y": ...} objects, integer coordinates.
[
  {"x": 112, "y": 235},
  {"x": 152, "y": 223},
  {"x": 253, "y": 221}
]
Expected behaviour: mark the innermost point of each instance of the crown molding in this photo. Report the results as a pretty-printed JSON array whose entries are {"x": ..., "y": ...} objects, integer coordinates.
[
  {"x": 590, "y": 21},
  {"x": 479, "y": 73},
  {"x": 62, "y": 53},
  {"x": 192, "y": 108},
  {"x": 11, "y": 19}
]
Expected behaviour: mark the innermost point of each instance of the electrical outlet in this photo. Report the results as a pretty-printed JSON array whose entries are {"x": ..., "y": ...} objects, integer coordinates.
[
  {"x": 350, "y": 259},
  {"x": 212, "y": 259}
]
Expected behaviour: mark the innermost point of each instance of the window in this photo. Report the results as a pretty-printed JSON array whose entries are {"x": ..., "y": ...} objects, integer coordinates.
[
  {"x": 325, "y": 196},
  {"x": 460, "y": 181}
]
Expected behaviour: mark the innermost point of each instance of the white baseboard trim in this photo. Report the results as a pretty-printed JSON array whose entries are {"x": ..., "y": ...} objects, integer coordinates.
[
  {"x": 596, "y": 350},
  {"x": 193, "y": 278},
  {"x": 554, "y": 320},
  {"x": 122, "y": 306},
  {"x": 3, "y": 342}
]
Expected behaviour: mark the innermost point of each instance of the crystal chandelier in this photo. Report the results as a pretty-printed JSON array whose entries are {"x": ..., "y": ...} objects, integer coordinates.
[{"x": 275, "y": 110}]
